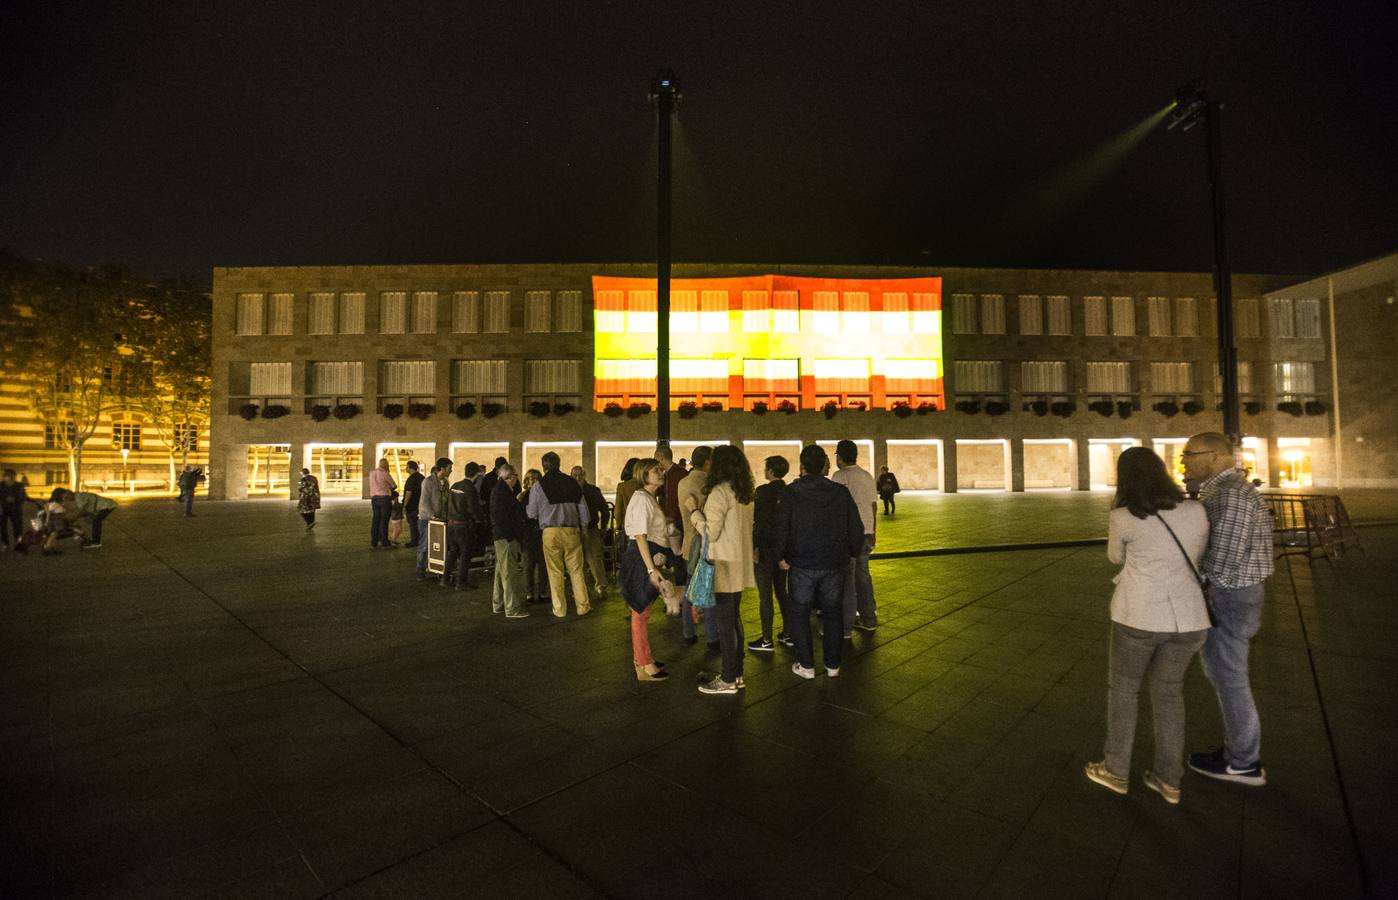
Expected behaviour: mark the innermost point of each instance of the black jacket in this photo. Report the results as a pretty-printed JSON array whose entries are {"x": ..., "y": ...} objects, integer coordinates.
[
  {"x": 818, "y": 525},
  {"x": 596, "y": 506},
  {"x": 507, "y": 519},
  {"x": 767, "y": 503},
  {"x": 412, "y": 489},
  {"x": 464, "y": 504}
]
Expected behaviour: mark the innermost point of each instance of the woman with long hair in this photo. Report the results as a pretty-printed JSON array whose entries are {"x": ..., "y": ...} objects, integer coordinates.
[
  {"x": 626, "y": 486},
  {"x": 308, "y": 498},
  {"x": 726, "y": 521},
  {"x": 647, "y": 548},
  {"x": 1159, "y": 618},
  {"x": 536, "y": 576}
]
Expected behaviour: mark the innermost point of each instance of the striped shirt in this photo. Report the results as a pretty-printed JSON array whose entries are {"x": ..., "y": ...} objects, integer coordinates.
[{"x": 1240, "y": 535}]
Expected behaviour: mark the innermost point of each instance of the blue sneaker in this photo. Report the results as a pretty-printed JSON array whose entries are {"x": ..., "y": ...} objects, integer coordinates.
[{"x": 1215, "y": 765}]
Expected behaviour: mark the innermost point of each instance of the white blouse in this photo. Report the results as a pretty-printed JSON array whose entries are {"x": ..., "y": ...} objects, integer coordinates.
[
  {"x": 644, "y": 516},
  {"x": 1155, "y": 589}
]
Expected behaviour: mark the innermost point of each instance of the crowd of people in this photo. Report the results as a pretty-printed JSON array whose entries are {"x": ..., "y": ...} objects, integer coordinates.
[{"x": 27, "y": 523}]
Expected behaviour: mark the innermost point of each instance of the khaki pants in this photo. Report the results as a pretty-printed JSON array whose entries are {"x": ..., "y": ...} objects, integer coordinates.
[
  {"x": 563, "y": 550},
  {"x": 592, "y": 553}
]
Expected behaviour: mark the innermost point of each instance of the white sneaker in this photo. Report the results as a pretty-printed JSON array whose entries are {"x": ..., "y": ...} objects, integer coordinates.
[
  {"x": 831, "y": 673},
  {"x": 803, "y": 671}
]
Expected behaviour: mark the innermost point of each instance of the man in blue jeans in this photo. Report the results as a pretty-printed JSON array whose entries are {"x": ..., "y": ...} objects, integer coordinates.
[
  {"x": 1236, "y": 563},
  {"x": 431, "y": 506},
  {"x": 818, "y": 531}
]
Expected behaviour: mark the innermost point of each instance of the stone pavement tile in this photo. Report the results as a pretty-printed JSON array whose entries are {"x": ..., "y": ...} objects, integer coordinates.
[
  {"x": 383, "y": 824},
  {"x": 1074, "y": 702},
  {"x": 414, "y": 704},
  {"x": 1009, "y": 789},
  {"x": 875, "y": 888},
  {"x": 492, "y": 861},
  {"x": 1045, "y": 865},
  {"x": 1047, "y": 739},
  {"x": 833, "y": 734},
  {"x": 1088, "y": 815},
  {"x": 1189, "y": 850},
  {"x": 951, "y": 852},
  {"x": 938, "y": 763},
  {"x": 928, "y": 708},
  {"x": 205, "y": 868},
  {"x": 1296, "y": 847},
  {"x": 290, "y": 879},
  {"x": 863, "y": 829}
]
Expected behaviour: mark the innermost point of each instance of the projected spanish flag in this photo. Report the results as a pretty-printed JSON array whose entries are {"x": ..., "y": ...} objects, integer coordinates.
[{"x": 773, "y": 340}]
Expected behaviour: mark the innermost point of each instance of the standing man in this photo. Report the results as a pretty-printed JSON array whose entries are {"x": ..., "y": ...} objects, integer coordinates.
[
  {"x": 888, "y": 486},
  {"x": 859, "y": 587},
  {"x": 432, "y": 506},
  {"x": 1236, "y": 563},
  {"x": 670, "y": 493},
  {"x": 818, "y": 532},
  {"x": 464, "y": 520},
  {"x": 599, "y": 518},
  {"x": 771, "y": 579},
  {"x": 189, "y": 481},
  {"x": 509, "y": 526},
  {"x": 12, "y": 500},
  {"x": 412, "y": 493},
  {"x": 691, "y": 487},
  {"x": 381, "y": 488},
  {"x": 557, "y": 504}
]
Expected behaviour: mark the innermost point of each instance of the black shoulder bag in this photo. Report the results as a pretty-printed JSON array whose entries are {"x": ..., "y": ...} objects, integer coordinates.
[{"x": 1203, "y": 582}]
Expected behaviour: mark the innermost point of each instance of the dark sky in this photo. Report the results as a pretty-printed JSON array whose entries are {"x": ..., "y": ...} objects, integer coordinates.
[{"x": 174, "y": 137}]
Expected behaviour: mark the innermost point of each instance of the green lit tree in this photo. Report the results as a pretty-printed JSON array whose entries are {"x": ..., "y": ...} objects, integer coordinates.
[{"x": 174, "y": 345}]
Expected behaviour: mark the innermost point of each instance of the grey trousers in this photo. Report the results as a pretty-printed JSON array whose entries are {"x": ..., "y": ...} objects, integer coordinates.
[{"x": 1163, "y": 657}]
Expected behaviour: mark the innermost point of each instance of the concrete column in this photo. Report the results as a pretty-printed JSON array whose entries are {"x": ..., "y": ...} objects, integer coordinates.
[
  {"x": 1017, "y": 464},
  {"x": 1083, "y": 451},
  {"x": 949, "y": 466},
  {"x": 298, "y": 454},
  {"x": 589, "y": 459},
  {"x": 370, "y": 460}
]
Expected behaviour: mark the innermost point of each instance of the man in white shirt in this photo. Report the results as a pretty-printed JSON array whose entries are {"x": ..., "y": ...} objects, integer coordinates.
[{"x": 860, "y": 611}]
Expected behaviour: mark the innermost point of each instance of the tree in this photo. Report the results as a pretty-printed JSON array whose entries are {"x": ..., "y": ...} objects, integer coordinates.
[
  {"x": 175, "y": 346},
  {"x": 65, "y": 334}
]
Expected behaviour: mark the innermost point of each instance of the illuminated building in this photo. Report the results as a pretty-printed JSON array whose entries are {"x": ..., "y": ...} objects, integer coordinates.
[{"x": 957, "y": 379}]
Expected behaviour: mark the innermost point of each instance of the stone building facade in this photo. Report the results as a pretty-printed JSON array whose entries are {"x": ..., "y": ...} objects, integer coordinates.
[{"x": 1025, "y": 363}]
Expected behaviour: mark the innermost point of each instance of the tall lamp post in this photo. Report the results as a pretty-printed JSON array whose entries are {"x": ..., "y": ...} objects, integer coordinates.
[
  {"x": 1193, "y": 106},
  {"x": 664, "y": 95}
]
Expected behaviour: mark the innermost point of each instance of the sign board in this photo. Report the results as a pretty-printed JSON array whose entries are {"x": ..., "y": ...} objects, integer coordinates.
[{"x": 436, "y": 546}]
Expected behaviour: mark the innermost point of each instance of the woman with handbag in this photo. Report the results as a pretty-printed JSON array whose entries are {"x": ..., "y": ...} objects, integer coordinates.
[
  {"x": 641, "y": 579},
  {"x": 725, "y": 524},
  {"x": 1159, "y": 618}
]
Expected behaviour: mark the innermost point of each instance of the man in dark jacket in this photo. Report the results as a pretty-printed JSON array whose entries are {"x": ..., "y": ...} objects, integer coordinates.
[
  {"x": 599, "y": 519},
  {"x": 771, "y": 579},
  {"x": 464, "y": 520},
  {"x": 818, "y": 531},
  {"x": 412, "y": 497},
  {"x": 508, "y": 526}
]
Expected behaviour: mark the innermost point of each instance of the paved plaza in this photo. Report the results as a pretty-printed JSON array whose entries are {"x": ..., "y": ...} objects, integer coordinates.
[{"x": 229, "y": 706}]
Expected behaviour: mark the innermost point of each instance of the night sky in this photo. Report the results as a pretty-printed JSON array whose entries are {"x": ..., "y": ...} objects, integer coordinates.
[{"x": 174, "y": 137}]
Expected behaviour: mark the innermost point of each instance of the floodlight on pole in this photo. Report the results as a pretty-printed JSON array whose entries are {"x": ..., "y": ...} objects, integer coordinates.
[
  {"x": 1193, "y": 106},
  {"x": 665, "y": 96}
]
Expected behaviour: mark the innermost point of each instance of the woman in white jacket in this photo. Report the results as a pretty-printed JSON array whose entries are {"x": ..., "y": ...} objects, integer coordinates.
[
  {"x": 1159, "y": 618},
  {"x": 726, "y": 520}
]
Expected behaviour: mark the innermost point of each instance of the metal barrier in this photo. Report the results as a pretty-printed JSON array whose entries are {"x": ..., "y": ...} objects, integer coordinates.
[{"x": 1311, "y": 525}]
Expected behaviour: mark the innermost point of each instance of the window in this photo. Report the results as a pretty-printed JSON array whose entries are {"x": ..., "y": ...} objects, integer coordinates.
[
  {"x": 1031, "y": 314},
  {"x": 186, "y": 436},
  {"x": 497, "y": 312},
  {"x": 627, "y": 376},
  {"x": 609, "y": 312},
  {"x": 320, "y": 313},
  {"x": 895, "y": 314},
  {"x": 1043, "y": 377},
  {"x": 1123, "y": 316},
  {"x": 713, "y": 312},
  {"x": 1059, "y": 314},
  {"x": 55, "y": 477},
  {"x": 1308, "y": 318},
  {"x": 926, "y": 317},
  {"x": 766, "y": 375},
  {"x": 1291, "y": 378},
  {"x": 1245, "y": 385},
  {"x": 279, "y": 309},
  {"x": 424, "y": 318},
  {"x": 856, "y": 318},
  {"x": 60, "y": 435},
  {"x": 918, "y": 375},
  {"x": 466, "y": 312},
  {"x": 1186, "y": 317},
  {"x": 992, "y": 314},
  {"x": 786, "y": 312},
  {"x": 979, "y": 376},
  {"x": 269, "y": 379},
  {"x": 249, "y": 314},
  {"x": 825, "y": 312},
  {"x": 569, "y": 312},
  {"x": 1245, "y": 318},
  {"x": 1094, "y": 316},
  {"x": 1171, "y": 377},
  {"x": 1158, "y": 310},
  {"x": 684, "y": 312},
  {"x": 640, "y": 312},
  {"x": 538, "y": 311},
  {"x": 1281, "y": 317},
  {"x": 404, "y": 378},
  {"x": 963, "y": 313},
  {"x": 352, "y": 312},
  {"x": 337, "y": 380},
  {"x": 393, "y": 309},
  {"x": 126, "y": 436},
  {"x": 551, "y": 376},
  {"x": 757, "y": 312},
  {"x": 1109, "y": 378},
  {"x": 479, "y": 376},
  {"x": 842, "y": 375},
  {"x": 699, "y": 376}
]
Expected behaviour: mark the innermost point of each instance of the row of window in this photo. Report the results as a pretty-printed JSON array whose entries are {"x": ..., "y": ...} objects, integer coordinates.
[
  {"x": 401, "y": 312},
  {"x": 764, "y": 312},
  {"x": 970, "y": 376},
  {"x": 412, "y": 378},
  {"x": 125, "y": 436},
  {"x": 1116, "y": 316}
]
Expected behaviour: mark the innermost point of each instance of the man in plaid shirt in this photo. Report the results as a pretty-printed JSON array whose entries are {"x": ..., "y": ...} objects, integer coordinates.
[{"x": 1236, "y": 563}]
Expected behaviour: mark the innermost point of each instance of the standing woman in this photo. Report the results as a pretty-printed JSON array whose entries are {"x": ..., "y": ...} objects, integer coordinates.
[
  {"x": 625, "y": 487},
  {"x": 1159, "y": 618},
  {"x": 308, "y": 498},
  {"x": 726, "y": 520},
  {"x": 640, "y": 578},
  {"x": 536, "y": 577}
]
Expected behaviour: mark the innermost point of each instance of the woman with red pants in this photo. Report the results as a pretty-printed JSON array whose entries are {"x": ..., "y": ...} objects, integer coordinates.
[{"x": 640, "y": 574}]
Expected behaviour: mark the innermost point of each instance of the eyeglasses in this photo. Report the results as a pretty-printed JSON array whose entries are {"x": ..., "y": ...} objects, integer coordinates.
[{"x": 1199, "y": 453}]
